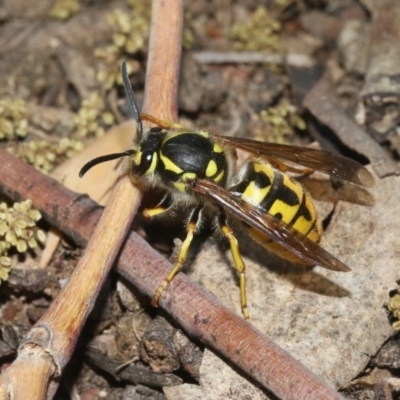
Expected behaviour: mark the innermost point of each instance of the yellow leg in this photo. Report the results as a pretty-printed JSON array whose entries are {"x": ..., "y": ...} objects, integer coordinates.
[
  {"x": 161, "y": 122},
  {"x": 153, "y": 212},
  {"x": 191, "y": 230},
  {"x": 163, "y": 206},
  {"x": 238, "y": 261}
]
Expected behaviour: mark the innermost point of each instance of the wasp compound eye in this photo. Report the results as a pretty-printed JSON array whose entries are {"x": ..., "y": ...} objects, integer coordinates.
[
  {"x": 147, "y": 158},
  {"x": 147, "y": 163}
]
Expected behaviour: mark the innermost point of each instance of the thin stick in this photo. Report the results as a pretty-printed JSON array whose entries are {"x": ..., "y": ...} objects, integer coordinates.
[
  {"x": 164, "y": 60},
  {"x": 56, "y": 333},
  {"x": 252, "y": 57}
]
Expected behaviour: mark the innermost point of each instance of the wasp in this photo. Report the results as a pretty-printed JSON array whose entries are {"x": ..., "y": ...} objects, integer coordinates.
[{"x": 196, "y": 170}]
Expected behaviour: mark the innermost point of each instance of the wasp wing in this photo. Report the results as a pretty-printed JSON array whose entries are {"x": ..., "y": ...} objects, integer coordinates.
[
  {"x": 271, "y": 226},
  {"x": 322, "y": 160}
]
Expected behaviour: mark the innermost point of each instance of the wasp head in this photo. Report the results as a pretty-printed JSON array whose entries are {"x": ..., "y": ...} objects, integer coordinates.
[{"x": 145, "y": 160}]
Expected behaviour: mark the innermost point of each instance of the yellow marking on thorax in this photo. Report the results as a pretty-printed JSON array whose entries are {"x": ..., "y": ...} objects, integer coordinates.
[
  {"x": 189, "y": 176},
  {"x": 181, "y": 184},
  {"x": 219, "y": 177},
  {"x": 217, "y": 148},
  {"x": 169, "y": 165},
  {"x": 172, "y": 134},
  {"x": 203, "y": 133},
  {"x": 212, "y": 169}
]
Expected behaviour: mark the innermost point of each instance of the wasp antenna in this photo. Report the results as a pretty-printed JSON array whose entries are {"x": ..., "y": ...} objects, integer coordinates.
[
  {"x": 132, "y": 100},
  {"x": 101, "y": 159}
]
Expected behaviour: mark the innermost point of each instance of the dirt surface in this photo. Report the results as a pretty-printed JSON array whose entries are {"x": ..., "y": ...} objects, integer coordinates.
[{"x": 247, "y": 71}]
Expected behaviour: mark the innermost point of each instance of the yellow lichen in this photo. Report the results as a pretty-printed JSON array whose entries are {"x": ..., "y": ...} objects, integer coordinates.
[
  {"x": 394, "y": 308},
  {"x": 187, "y": 34},
  {"x": 44, "y": 155},
  {"x": 109, "y": 72},
  {"x": 131, "y": 30},
  {"x": 90, "y": 120},
  {"x": 260, "y": 33},
  {"x": 64, "y": 9},
  {"x": 286, "y": 3},
  {"x": 91, "y": 117},
  {"x": 17, "y": 230},
  {"x": 282, "y": 119},
  {"x": 13, "y": 122}
]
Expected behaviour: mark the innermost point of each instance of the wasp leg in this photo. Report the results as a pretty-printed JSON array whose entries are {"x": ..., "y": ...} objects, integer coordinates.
[
  {"x": 191, "y": 229},
  {"x": 162, "y": 123},
  {"x": 163, "y": 206},
  {"x": 237, "y": 259}
]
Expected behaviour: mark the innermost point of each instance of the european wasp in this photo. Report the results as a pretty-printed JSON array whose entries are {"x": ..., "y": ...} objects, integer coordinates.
[{"x": 197, "y": 169}]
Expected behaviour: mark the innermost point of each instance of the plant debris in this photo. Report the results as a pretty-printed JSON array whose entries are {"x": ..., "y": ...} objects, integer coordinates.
[
  {"x": 261, "y": 32},
  {"x": 18, "y": 231},
  {"x": 64, "y": 9},
  {"x": 13, "y": 122}
]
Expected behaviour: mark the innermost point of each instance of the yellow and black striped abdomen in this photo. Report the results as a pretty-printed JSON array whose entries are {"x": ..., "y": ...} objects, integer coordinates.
[{"x": 276, "y": 193}]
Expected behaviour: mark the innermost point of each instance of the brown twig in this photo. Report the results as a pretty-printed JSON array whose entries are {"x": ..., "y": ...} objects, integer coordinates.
[
  {"x": 200, "y": 314},
  {"x": 49, "y": 345}
]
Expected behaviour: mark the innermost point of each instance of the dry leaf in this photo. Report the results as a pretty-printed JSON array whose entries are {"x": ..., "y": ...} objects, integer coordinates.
[{"x": 97, "y": 182}]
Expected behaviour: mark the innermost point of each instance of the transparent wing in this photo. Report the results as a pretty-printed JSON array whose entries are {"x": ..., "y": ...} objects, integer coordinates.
[
  {"x": 270, "y": 226},
  {"x": 322, "y": 160}
]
